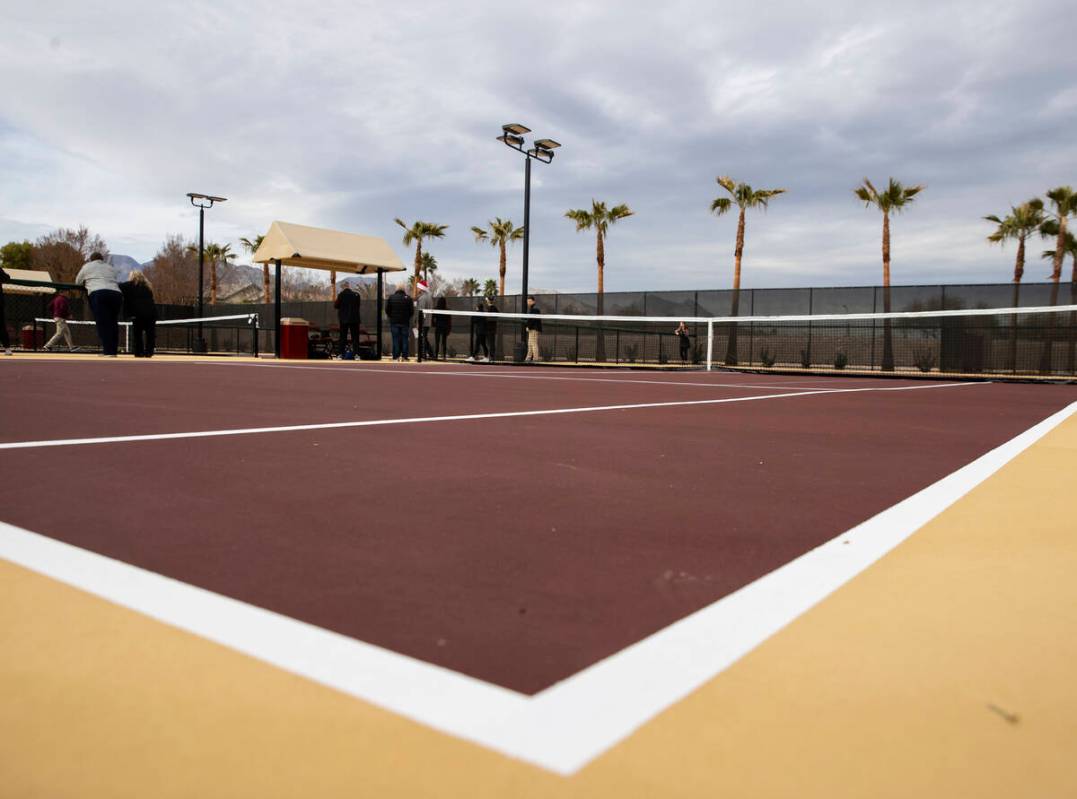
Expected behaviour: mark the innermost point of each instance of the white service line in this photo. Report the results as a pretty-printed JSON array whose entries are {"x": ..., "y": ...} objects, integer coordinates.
[
  {"x": 569, "y": 724},
  {"x": 245, "y": 431}
]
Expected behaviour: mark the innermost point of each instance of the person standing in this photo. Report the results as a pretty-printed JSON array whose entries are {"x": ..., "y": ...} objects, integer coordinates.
[
  {"x": 478, "y": 335},
  {"x": 442, "y": 329},
  {"x": 5, "y": 342},
  {"x": 424, "y": 304},
  {"x": 399, "y": 308},
  {"x": 141, "y": 309},
  {"x": 491, "y": 328},
  {"x": 534, "y": 327},
  {"x": 98, "y": 277},
  {"x": 347, "y": 305},
  {"x": 682, "y": 338},
  {"x": 60, "y": 311}
]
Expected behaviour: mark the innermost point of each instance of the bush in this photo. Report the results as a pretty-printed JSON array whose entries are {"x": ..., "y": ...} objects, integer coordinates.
[
  {"x": 841, "y": 360},
  {"x": 767, "y": 359},
  {"x": 925, "y": 360},
  {"x": 805, "y": 359}
]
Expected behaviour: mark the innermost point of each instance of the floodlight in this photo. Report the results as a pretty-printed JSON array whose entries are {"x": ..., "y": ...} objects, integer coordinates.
[
  {"x": 547, "y": 144},
  {"x": 195, "y": 196},
  {"x": 511, "y": 141},
  {"x": 516, "y": 128},
  {"x": 546, "y": 156}
]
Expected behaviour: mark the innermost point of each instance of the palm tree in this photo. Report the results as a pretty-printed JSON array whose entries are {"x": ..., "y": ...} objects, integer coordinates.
[
  {"x": 499, "y": 233},
  {"x": 1063, "y": 206},
  {"x": 1070, "y": 248},
  {"x": 215, "y": 254},
  {"x": 251, "y": 246},
  {"x": 470, "y": 287},
  {"x": 429, "y": 265},
  {"x": 1022, "y": 222},
  {"x": 893, "y": 199},
  {"x": 489, "y": 288},
  {"x": 417, "y": 232},
  {"x": 600, "y": 217},
  {"x": 744, "y": 197}
]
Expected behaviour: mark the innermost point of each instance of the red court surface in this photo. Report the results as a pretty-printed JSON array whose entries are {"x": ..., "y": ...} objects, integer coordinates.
[{"x": 517, "y": 549}]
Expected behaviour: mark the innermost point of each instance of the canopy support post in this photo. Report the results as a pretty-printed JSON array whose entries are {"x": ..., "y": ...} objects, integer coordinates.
[
  {"x": 276, "y": 308},
  {"x": 381, "y": 293}
]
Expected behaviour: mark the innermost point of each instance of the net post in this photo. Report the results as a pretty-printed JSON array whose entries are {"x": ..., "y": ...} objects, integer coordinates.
[{"x": 710, "y": 342}]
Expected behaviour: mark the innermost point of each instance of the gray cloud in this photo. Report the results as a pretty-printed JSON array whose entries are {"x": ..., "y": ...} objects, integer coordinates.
[{"x": 348, "y": 114}]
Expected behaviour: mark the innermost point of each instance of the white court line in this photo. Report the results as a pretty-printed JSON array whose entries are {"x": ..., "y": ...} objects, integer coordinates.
[
  {"x": 569, "y": 724},
  {"x": 245, "y": 431},
  {"x": 791, "y": 386}
]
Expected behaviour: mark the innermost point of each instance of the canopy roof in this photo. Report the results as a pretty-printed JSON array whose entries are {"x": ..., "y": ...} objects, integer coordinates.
[
  {"x": 321, "y": 248},
  {"x": 28, "y": 274}
]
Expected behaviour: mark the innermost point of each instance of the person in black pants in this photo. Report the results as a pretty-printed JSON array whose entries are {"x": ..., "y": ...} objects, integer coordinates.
[
  {"x": 491, "y": 328},
  {"x": 142, "y": 311},
  {"x": 442, "y": 329},
  {"x": 98, "y": 277},
  {"x": 478, "y": 335},
  {"x": 5, "y": 342},
  {"x": 399, "y": 308},
  {"x": 347, "y": 305},
  {"x": 682, "y": 338}
]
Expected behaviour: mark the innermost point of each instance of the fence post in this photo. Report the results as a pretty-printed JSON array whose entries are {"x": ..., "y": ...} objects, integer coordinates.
[{"x": 710, "y": 343}]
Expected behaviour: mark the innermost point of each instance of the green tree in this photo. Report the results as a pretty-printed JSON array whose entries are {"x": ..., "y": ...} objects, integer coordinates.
[
  {"x": 894, "y": 199},
  {"x": 499, "y": 233},
  {"x": 17, "y": 255},
  {"x": 1022, "y": 222},
  {"x": 489, "y": 288},
  {"x": 469, "y": 287},
  {"x": 1070, "y": 249},
  {"x": 429, "y": 265},
  {"x": 743, "y": 197},
  {"x": 216, "y": 255},
  {"x": 416, "y": 234},
  {"x": 63, "y": 252},
  {"x": 251, "y": 246},
  {"x": 1063, "y": 200}
]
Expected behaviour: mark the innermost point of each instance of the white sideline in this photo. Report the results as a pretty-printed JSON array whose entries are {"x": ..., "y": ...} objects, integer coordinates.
[
  {"x": 244, "y": 431},
  {"x": 569, "y": 724}
]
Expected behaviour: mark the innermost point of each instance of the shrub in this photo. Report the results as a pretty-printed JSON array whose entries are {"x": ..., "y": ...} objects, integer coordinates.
[
  {"x": 767, "y": 359},
  {"x": 841, "y": 360}
]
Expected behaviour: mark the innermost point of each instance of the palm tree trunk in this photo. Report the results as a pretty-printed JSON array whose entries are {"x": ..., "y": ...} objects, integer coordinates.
[
  {"x": 1056, "y": 276},
  {"x": 600, "y": 257},
  {"x": 501, "y": 271},
  {"x": 888, "y": 333},
  {"x": 265, "y": 283},
  {"x": 418, "y": 268},
  {"x": 332, "y": 284},
  {"x": 213, "y": 282},
  {"x": 738, "y": 255}
]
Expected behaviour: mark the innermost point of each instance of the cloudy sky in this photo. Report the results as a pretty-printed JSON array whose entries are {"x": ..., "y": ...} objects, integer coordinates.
[{"x": 347, "y": 114}]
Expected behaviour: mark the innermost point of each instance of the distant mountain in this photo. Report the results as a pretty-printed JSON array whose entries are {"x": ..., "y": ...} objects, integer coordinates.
[{"x": 124, "y": 265}]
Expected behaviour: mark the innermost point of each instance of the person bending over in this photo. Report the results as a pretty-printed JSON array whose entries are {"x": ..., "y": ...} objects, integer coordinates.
[
  {"x": 140, "y": 308},
  {"x": 98, "y": 277}
]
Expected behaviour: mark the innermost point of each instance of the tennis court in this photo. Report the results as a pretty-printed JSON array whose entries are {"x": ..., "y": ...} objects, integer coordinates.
[{"x": 535, "y": 561}]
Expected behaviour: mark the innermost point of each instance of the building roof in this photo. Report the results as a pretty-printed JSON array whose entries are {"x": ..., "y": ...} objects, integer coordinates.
[{"x": 321, "y": 248}]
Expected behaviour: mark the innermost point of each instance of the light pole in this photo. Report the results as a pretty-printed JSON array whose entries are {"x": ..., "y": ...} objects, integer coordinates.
[
  {"x": 202, "y": 202},
  {"x": 512, "y": 135}
]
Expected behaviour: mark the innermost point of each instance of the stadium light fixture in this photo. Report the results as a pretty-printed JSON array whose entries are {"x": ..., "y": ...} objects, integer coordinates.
[
  {"x": 512, "y": 135},
  {"x": 202, "y": 202}
]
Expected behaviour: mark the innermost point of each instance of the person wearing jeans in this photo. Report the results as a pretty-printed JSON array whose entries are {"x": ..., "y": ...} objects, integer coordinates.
[
  {"x": 98, "y": 277},
  {"x": 399, "y": 308}
]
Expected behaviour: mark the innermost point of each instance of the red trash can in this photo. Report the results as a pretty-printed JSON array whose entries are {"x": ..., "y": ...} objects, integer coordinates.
[
  {"x": 294, "y": 335},
  {"x": 33, "y": 338}
]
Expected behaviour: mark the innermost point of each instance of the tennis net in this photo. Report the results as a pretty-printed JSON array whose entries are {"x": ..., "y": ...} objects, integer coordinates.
[
  {"x": 236, "y": 334},
  {"x": 1007, "y": 341}
]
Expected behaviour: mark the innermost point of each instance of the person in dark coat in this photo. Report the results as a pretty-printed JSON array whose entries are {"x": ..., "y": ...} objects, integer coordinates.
[
  {"x": 347, "y": 305},
  {"x": 140, "y": 308},
  {"x": 534, "y": 327},
  {"x": 5, "y": 342},
  {"x": 478, "y": 335},
  {"x": 399, "y": 308},
  {"x": 682, "y": 338},
  {"x": 491, "y": 328},
  {"x": 442, "y": 329}
]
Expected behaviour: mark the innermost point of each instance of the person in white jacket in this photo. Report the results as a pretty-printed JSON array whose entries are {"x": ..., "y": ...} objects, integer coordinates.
[{"x": 98, "y": 277}]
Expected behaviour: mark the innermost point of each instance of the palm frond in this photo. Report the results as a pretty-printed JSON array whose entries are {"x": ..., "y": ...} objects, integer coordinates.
[
  {"x": 480, "y": 234},
  {"x": 721, "y": 205},
  {"x": 727, "y": 183},
  {"x": 583, "y": 218}
]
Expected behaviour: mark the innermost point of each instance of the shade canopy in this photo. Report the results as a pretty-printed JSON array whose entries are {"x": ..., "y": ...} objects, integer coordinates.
[
  {"x": 28, "y": 274},
  {"x": 321, "y": 248}
]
